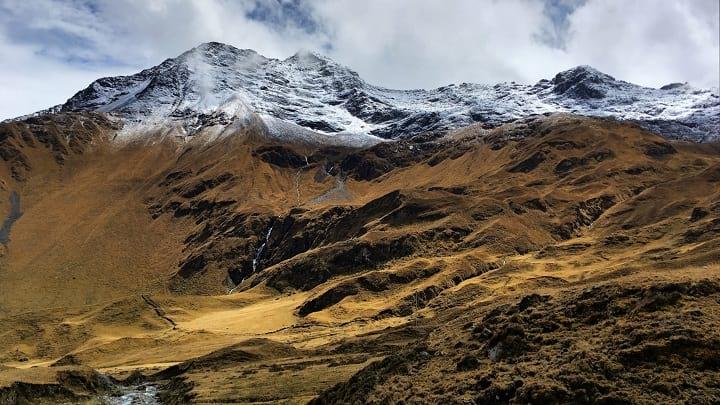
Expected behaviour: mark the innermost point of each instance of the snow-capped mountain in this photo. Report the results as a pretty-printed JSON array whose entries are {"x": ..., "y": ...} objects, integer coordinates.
[{"x": 216, "y": 84}]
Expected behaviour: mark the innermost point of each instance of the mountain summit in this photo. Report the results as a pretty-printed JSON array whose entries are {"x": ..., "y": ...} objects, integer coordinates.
[
  {"x": 582, "y": 82},
  {"x": 215, "y": 84}
]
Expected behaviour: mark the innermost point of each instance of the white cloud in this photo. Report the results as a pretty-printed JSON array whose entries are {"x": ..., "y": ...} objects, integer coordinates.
[
  {"x": 649, "y": 42},
  {"x": 30, "y": 83},
  {"x": 409, "y": 43},
  {"x": 49, "y": 48}
]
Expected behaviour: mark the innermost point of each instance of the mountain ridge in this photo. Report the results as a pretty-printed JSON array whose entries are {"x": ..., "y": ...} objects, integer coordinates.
[{"x": 216, "y": 84}]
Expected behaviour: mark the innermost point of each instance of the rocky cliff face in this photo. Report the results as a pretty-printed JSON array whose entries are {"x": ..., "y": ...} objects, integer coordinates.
[{"x": 216, "y": 84}]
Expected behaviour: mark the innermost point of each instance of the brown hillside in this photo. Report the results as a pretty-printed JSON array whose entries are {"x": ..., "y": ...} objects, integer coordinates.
[{"x": 556, "y": 259}]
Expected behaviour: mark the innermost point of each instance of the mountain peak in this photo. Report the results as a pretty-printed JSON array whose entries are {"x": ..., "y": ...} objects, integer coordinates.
[
  {"x": 218, "y": 51},
  {"x": 312, "y": 60},
  {"x": 215, "y": 45},
  {"x": 583, "y": 69},
  {"x": 309, "y": 57},
  {"x": 582, "y": 72},
  {"x": 583, "y": 82}
]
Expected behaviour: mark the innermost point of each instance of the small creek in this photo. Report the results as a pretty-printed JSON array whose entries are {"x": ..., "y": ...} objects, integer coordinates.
[
  {"x": 145, "y": 394},
  {"x": 14, "y": 215}
]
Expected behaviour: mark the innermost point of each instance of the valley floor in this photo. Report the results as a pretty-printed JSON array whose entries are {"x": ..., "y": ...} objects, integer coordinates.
[{"x": 628, "y": 332}]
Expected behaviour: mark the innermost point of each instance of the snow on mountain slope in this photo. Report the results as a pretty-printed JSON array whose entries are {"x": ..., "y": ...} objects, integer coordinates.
[{"x": 216, "y": 84}]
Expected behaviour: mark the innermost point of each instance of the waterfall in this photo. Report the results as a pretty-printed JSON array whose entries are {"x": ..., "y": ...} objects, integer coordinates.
[{"x": 256, "y": 259}]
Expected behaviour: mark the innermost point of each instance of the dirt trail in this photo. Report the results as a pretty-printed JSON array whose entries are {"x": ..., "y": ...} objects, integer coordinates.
[{"x": 158, "y": 309}]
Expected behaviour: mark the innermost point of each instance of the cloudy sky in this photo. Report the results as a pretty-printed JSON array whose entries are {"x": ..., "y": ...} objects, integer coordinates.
[{"x": 49, "y": 49}]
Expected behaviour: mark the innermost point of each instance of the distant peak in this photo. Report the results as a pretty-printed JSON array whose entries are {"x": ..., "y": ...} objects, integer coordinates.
[
  {"x": 584, "y": 82},
  {"x": 305, "y": 57},
  {"x": 214, "y": 45},
  {"x": 218, "y": 49},
  {"x": 316, "y": 62},
  {"x": 583, "y": 68},
  {"x": 580, "y": 73}
]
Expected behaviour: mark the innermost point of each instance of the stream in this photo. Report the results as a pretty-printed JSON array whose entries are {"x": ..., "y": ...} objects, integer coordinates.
[{"x": 144, "y": 394}]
